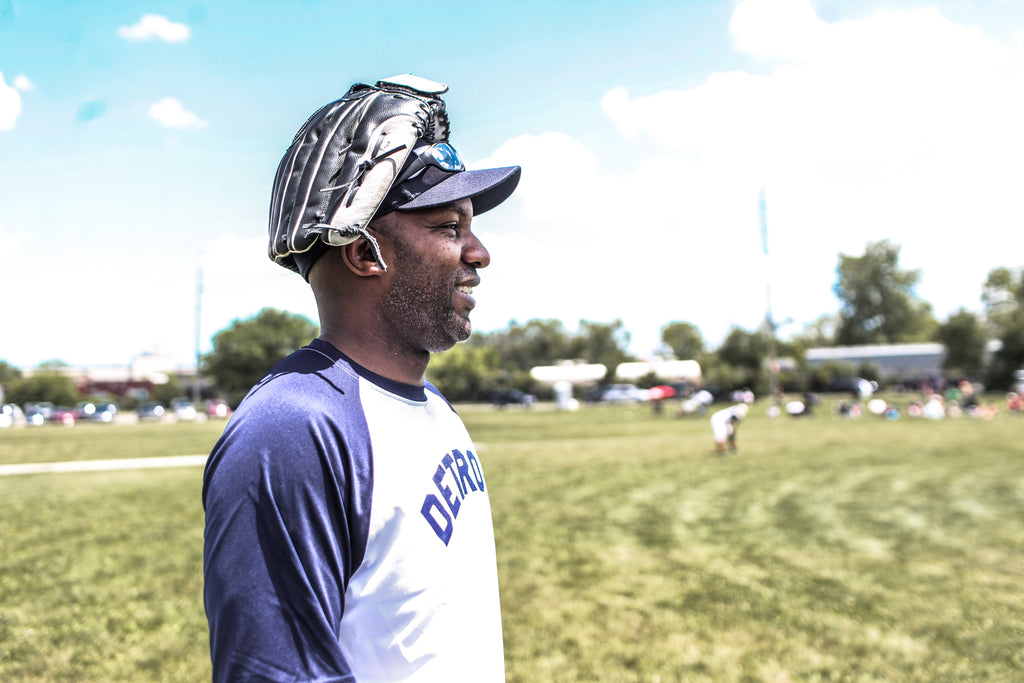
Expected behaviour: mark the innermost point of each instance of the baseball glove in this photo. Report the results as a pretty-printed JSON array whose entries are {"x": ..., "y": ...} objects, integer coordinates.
[{"x": 343, "y": 161}]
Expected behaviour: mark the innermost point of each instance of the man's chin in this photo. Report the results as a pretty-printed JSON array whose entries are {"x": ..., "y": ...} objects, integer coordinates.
[
  {"x": 460, "y": 327},
  {"x": 462, "y": 334},
  {"x": 452, "y": 335}
]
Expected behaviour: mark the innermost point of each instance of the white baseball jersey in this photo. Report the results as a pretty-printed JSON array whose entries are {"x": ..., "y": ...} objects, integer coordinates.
[{"x": 348, "y": 533}]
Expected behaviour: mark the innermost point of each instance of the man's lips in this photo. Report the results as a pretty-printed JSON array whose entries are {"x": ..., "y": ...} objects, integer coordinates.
[{"x": 466, "y": 289}]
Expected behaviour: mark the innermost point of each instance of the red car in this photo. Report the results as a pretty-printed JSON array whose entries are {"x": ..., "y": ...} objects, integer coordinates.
[
  {"x": 217, "y": 409},
  {"x": 64, "y": 416}
]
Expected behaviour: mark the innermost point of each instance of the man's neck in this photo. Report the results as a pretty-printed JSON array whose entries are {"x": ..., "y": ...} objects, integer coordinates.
[{"x": 385, "y": 360}]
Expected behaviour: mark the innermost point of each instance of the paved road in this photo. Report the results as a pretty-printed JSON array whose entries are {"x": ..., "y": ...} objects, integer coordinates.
[{"x": 104, "y": 465}]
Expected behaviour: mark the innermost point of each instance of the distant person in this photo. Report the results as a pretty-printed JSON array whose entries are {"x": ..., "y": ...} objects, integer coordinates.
[
  {"x": 723, "y": 426},
  {"x": 968, "y": 399},
  {"x": 744, "y": 395},
  {"x": 915, "y": 408},
  {"x": 804, "y": 407},
  {"x": 934, "y": 407},
  {"x": 696, "y": 404},
  {"x": 348, "y": 525},
  {"x": 865, "y": 389}
]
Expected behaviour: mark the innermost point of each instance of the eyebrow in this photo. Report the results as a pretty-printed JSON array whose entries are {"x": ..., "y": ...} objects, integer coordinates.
[{"x": 453, "y": 207}]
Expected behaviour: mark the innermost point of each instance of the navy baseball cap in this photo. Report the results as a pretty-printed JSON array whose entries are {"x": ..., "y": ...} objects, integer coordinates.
[{"x": 433, "y": 175}]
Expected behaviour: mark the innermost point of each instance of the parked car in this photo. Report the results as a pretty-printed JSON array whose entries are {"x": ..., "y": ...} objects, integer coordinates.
[
  {"x": 217, "y": 409},
  {"x": 38, "y": 413},
  {"x": 151, "y": 410},
  {"x": 183, "y": 410},
  {"x": 507, "y": 397},
  {"x": 96, "y": 412},
  {"x": 12, "y": 415},
  {"x": 64, "y": 416},
  {"x": 858, "y": 387},
  {"x": 623, "y": 393}
]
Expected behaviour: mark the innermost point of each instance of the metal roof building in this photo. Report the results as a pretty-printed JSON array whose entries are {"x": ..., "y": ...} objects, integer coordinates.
[{"x": 894, "y": 361}]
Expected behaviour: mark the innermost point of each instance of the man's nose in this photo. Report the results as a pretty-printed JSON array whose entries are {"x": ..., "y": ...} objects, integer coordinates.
[{"x": 475, "y": 253}]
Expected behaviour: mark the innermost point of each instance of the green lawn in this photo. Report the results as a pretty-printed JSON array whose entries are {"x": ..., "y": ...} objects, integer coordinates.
[
  {"x": 88, "y": 441},
  {"x": 824, "y": 550}
]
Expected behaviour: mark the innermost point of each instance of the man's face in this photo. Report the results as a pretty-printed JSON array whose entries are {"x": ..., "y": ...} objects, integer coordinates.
[{"x": 432, "y": 269}]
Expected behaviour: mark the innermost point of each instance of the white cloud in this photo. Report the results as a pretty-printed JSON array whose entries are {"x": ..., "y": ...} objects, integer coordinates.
[
  {"x": 10, "y": 105},
  {"x": 10, "y": 245},
  {"x": 169, "y": 112},
  {"x": 662, "y": 242},
  {"x": 157, "y": 313},
  {"x": 155, "y": 27},
  {"x": 239, "y": 279},
  {"x": 777, "y": 29},
  {"x": 22, "y": 83},
  {"x": 551, "y": 154},
  {"x": 901, "y": 125}
]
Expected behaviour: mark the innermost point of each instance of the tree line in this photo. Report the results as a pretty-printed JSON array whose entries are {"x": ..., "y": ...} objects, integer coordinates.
[{"x": 878, "y": 304}]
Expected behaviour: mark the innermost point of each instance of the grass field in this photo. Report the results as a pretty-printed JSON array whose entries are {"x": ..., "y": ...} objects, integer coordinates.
[{"x": 824, "y": 550}]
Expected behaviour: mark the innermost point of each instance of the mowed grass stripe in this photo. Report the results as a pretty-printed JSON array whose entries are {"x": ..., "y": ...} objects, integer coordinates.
[{"x": 825, "y": 549}]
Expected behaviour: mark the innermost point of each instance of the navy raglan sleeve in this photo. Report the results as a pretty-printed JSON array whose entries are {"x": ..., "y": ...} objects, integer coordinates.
[{"x": 287, "y": 508}]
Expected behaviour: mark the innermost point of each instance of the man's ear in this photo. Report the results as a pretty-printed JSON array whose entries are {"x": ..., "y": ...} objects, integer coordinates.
[{"x": 359, "y": 258}]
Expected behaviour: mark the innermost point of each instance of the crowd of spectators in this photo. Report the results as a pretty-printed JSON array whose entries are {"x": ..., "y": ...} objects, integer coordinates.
[{"x": 963, "y": 399}]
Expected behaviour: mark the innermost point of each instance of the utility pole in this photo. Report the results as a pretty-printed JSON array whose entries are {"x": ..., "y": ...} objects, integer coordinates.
[
  {"x": 196, "y": 389},
  {"x": 769, "y": 322}
]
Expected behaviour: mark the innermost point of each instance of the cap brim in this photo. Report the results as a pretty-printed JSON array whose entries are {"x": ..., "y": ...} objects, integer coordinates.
[{"x": 486, "y": 187}]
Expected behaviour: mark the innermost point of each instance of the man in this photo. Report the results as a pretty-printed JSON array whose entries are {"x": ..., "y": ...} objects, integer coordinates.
[
  {"x": 348, "y": 528},
  {"x": 723, "y": 426}
]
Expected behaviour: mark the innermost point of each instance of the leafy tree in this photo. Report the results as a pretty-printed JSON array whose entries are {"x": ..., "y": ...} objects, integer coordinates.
[
  {"x": 878, "y": 301},
  {"x": 1010, "y": 357},
  {"x": 820, "y": 332},
  {"x": 722, "y": 376},
  {"x": 544, "y": 342},
  {"x": 244, "y": 351},
  {"x": 740, "y": 360},
  {"x": 830, "y": 371},
  {"x": 8, "y": 373},
  {"x": 169, "y": 390},
  {"x": 48, "y": 383},
  {"x": 963, "y": 334},
  {"x": 603, "y": 343},
  {"x": 684, "y": 339},
  {"x": 537, "y": 342},
  {"x": 1002, "y": 294},
  {"x": 466, "y": 373},
  {"x": 1003, "y": 297},
  {"x": 744, "y": 349}
]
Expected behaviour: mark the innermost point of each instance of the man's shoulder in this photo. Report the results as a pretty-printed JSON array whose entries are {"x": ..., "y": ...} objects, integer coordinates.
[
  {"x": 307, "y": 372},
  {"x": 307, "y": 404}
]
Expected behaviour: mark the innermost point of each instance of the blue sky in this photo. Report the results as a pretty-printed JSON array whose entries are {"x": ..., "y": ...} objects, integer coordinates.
[{"x": 138, "y": 142}]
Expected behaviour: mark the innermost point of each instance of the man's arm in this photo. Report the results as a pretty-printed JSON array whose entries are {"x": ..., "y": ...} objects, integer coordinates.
[{"x": 284, "y": 522}]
